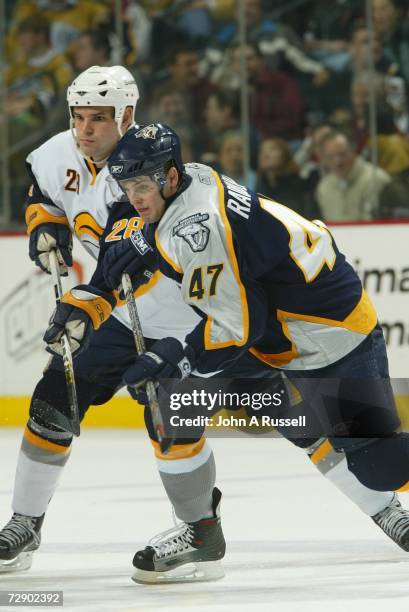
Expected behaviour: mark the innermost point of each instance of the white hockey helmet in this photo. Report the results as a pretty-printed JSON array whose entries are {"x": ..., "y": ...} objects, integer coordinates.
[{"x": 104, "y": 86}]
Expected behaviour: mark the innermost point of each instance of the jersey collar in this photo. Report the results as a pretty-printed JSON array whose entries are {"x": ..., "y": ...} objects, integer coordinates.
[{"x": 186, "y": 180}]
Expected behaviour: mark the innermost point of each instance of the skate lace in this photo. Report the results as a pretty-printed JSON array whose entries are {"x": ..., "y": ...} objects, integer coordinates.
[
  {"x": 17, "y": 530},
  {"x": 394, "y": 521},
  {"x": 172, "y": 541}
]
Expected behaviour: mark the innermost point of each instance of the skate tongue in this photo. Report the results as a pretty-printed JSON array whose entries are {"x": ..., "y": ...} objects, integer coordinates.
[{"x": 173, "y": 540}]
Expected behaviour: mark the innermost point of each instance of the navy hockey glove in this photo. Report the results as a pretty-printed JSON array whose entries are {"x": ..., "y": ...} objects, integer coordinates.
[
  {"x": 81, "y": 310},
  {"x": 46, "y": 235},
  {"x": 166, "y": 359},
  {"x": 135, "y": 256}
]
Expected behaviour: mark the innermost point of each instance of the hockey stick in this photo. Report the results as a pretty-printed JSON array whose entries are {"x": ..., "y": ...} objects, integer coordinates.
[
  {"x": 73, "y": 423},
  {"x": 157, "y": 419}
]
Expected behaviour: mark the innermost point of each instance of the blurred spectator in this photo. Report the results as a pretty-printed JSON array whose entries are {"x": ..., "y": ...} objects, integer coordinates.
[
  {"x": 360, "y": 94},
  {"x": 342, "y": 119},
  {"x": 91, "y": 48},
  {"x": 231, "y": 159},
  {"x": 222, "y": 10},
  {"x": 349, "y": 192},
  {"x": 187, "y": 144},
  {"x": 171, "y": 22},
  {"x": 309, "y": 156},
  {"x": 170, "y": 107},
  {"x": 397, "y": 97},
  {"x": 184, "y": 76},
  {"x": 358, "y": 72},
  {"x": 276, "y": 41},
  {"x": 35, "y": 82},
  {"x": 193, "y": 18},
  {"x": 276, "y": 107},
  {"x": 392, "y": 147},
  {"x": 278, "y": 178},
  {"x": 394, "y": 199},
  {"x": 392, "y": 23},
  {"x": 68, "y": 18},
  {"x": 360, "y": 97},
  {"x": 361, "y": 52},
  {"x": 222, "y": 113},
  {"x": 328, "y": 31},
  {"x": 139, "y": 33}
]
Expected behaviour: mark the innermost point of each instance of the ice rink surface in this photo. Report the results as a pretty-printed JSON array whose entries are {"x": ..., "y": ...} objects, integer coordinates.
[{"x": 294, "y": 542}]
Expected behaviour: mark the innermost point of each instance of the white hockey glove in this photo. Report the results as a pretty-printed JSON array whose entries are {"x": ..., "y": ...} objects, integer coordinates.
[{"x": 81, "y": 310}]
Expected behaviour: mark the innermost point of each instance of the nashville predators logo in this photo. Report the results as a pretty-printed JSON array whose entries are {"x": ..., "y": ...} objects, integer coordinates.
[
  {"x": 148, "y": 131},
  {"x": 193, "y": 230}
]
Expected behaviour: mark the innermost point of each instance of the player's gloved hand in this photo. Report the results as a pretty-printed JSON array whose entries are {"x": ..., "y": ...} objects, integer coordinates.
[
  {"x": 46, "y": 237},
  {"x": 81, "y": 310},
  {"x": 166, "y": 359},
  {"x": 135, "y": 256}
]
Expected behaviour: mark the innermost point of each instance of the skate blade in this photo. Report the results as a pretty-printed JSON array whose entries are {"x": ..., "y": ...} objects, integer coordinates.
[
  {"x": 21, "y": 563},
  {"x": 191, "y": 572}
]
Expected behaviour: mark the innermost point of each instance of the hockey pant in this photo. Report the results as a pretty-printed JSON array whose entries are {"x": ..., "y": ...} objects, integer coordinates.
[
  {"x": 351, "y": 403},
  {"x": 187, "y": 472}
]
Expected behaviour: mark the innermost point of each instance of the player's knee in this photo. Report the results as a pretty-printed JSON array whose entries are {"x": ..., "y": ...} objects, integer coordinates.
[
  {"x": 383, "y": 465},
  {"x": 51, "y": 394}
]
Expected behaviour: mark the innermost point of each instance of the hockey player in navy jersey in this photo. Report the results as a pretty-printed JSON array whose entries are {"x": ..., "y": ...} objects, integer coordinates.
[{"x": 267, "y": 281}]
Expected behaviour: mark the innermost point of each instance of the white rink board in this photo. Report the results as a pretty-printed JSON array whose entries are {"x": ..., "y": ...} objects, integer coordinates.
[
  {"x": 26, "y": 303},
  {"x": 379, "y": 252}
]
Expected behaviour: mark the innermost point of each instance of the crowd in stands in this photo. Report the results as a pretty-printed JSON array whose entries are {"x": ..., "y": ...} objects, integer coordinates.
[{"x": 312, "y": 74}]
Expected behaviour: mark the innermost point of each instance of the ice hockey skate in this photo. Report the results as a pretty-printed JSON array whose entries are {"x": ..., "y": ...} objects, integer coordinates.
[
  {"x": 189, "y": 552},
  {"x": 18, "y": 540},
  {"x": 394, "y": 521}
]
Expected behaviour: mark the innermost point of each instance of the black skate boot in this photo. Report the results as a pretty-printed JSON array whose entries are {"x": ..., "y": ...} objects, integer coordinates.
[
  {"x": 194, "y": 548},
  {"x": 394, "y": 521},
  {"x": 18, "y": 539}
]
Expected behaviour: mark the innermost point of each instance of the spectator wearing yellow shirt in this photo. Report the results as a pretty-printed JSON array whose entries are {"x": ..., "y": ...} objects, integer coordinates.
[
  {"x": 68, "y": 18},
  {"x": 35, "y": 81}
]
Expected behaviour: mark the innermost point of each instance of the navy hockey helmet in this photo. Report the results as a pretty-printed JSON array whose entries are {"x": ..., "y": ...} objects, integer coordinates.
[{"x": 145, "y": 151}]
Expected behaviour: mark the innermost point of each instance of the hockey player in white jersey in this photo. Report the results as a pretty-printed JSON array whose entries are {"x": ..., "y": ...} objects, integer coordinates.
[{"x": 70, "y": 194}]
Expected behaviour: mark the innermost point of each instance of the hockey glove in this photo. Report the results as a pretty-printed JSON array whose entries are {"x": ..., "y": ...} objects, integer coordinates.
[
  {"x": 48, "y": 232},
  {"x": 135, "y": 256},
  {"x": 47, "y": 237},
  {"x": 166, "y": 359},
  {"x": 81, "y": 310}
]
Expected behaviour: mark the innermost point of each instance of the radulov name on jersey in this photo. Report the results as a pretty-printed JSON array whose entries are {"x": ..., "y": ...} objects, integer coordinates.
[{"x": 239, "y": 199}]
